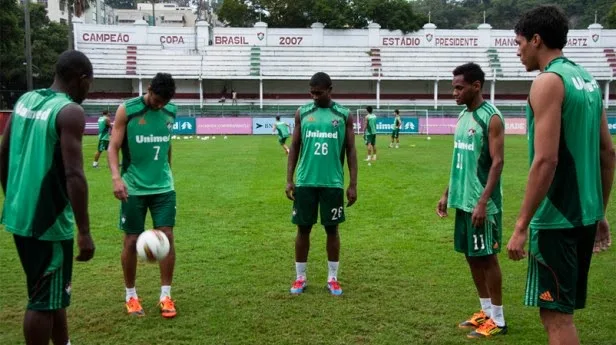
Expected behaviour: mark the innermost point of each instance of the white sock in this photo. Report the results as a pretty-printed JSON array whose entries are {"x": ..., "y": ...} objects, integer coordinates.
[
  {"x": 131, "y": 292},
  {"x": 373, "y": 157},
  {"x": 486, "y": 306},
  {"x": 69, "y": 343},
  {"x": 300, "y": 269},
  {"x": 333, "y": 270},
  {"x": 497, "y": 315},
  {"x": 165, "y": 291},
  {"x": 368, "y": 158}
]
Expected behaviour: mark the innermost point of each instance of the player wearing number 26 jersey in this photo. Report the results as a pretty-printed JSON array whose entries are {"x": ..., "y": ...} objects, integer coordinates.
[
  {"x": 322, "y": 137},
  {"x": 143, "y": 132},
  {"x": 475, "y": 193}
]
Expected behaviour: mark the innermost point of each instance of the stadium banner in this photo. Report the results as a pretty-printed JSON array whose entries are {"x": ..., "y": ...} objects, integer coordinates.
[
  {"x": 515, "y": 125},
  {"x": 184, "y": 125},
  {"x": 91, "y": 125},
  {"x": 611, "y": 124},
  {"x": 265, "y": 125},
  {"x": 224, "y": 125},
  {"x": 386, "y": 125},
  {"x": 438, "y": 125}
]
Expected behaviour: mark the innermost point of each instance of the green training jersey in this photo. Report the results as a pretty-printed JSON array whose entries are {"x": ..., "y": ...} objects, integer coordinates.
[
  {"x": 322, "y": 151},
  {"x": 36, "y": 200},
  {"x": 371, "y": 125},
  {"x": 575, "y": 195},
  {"x": 397, "y": 122},
  {"x": 146, "y": 146},
  {"x": 282, "y": 129},
  {"x": 471, "y": 161},
  {"x": 103, "y": 128}
]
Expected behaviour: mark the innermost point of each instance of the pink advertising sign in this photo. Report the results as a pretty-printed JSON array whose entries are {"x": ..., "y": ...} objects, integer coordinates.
[
  {"x": 516, "y": 125},
  {"x": 224, "y": 125},
  {"x": 437, "y": 125}
]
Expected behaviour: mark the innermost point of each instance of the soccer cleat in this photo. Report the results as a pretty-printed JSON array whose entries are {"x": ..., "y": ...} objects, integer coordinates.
[
  {"x": 474, "y": 321},
  {"x": 167, "y": 308},
  {"x": 298, "y": 286},
  {"x": 334, "y": 287},
  {"x": 133, "y": 307},
  {"x": 487, "y": 329}
]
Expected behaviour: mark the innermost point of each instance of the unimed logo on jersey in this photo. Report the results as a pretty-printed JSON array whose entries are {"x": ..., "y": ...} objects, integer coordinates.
[
  {"x": 319, "y": 134},
  {"x": 22, "y": 111},
  {"x": 464, "y": 146},
  {"x": 145, "y": 139}
]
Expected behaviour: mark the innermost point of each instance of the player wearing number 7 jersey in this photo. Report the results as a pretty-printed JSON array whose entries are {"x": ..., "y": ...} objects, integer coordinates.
[
  {"x": 143, "y": 131},
  {"x": 475, "y": 192},
  {"x": 322, "y": 137}
]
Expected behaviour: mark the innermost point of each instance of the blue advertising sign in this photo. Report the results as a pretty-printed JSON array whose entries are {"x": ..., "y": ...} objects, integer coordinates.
[
  {"x": 611, "y": 124},
  {"x": 386, "y": 125},
  {"x": 184, "y": 125}
]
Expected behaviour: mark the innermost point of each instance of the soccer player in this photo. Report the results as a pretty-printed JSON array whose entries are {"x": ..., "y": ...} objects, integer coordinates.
[
  {"x": 283, "y": 130},
  {"x": 476, "y": 194},
  {"x": 104, "y": 127},
  {"x": 322, "y": 137},
  {"x": 571, "y": 173},
  {"x": 395, "y": 133},
  {"x": 41, "y": 170},
  {"x": 370, "y": 133},
  {"x": 142, "y": 129}
]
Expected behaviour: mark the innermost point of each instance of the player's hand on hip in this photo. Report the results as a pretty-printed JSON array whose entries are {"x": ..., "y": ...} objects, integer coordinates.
[
  {"x": 119, "y": 189},
  {"x": 515, "y": 247},
  {"x": 351, "y": 195},
  {"x": 441, "y": 207},
  {"x": 478, "y": 217},
  {"x": 86, "y": 247},
  {"x": 290, "y": 191},
  {"x": 603, "y": 237}
]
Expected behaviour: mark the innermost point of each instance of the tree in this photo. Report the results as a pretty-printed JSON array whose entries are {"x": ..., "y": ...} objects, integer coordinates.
[
  {"x": 237, "y": 13},
  {"x": 392, "y": 14},
  {"x": 121, "y": 4},
  {"x": 611, "y": 17}
]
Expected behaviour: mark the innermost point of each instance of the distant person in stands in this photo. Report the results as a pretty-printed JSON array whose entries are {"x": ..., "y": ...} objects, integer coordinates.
[
  {"x": 395, "y": 133},
  {"x": 370, "y": 134},
  {"x": 283, "y": 130},
  {"x": 104, "y": 128},
  {"x": 233, "y": 97},
  {"x": 223, "y": 96}
]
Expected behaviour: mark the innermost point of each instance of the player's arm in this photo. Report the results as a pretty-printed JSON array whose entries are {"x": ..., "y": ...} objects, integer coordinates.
[
  {"x": 296, "y": 142},
  {"x": 70, "y": 124},
  {"x": 496, "y": 144},
  {"x": 546, "y": 97},
  {"x": 169, "y": 155},
  {"x": 351, "y": 153},
  {"x": 608, "y": 159},
  {"x": 4, "y": 155},
  {"x": 117, "y": 137}
]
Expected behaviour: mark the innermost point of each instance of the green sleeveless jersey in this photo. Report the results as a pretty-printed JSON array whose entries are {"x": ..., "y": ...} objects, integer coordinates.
[
  {"x": 145, "y": 150},
  {"x": 471, "y": 161},
  {"x": 322, "y": 150},
  {"x": 371, "y": 126},
  {"x": 36, "y": 202},
  {"x": 575, "y": 195},
  {"x": 103, "y": 128},
  {"x": 397, "y": 122},
  {"x": 283, "y": 130}
]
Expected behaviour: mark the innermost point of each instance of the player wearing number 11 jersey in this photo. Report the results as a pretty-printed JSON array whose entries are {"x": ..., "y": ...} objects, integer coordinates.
[
  {"x": 475, "y": 192},
  {"x": 322, "y": 137},
  {"x": 143, "y": 131}
]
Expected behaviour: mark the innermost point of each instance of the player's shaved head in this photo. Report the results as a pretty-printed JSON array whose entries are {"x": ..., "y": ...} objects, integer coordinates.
[
  {"x": 73, "y": 65},
  {"x": 321, "y": 79}
]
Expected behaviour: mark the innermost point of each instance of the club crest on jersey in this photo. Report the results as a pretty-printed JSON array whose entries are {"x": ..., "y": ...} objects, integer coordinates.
[
  {"x": 311, "y": 119},
  {"x": 471, "y": 132},
  {"x": 335, "y": 123}
]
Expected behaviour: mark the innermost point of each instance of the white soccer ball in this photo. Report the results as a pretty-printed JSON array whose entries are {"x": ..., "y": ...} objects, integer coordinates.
[
  {"x": 429, "y": 138},
  {"x": 153, "y": 245},
  {"x": 225, "y": 137},
  {"x": 213, "y": 137}
]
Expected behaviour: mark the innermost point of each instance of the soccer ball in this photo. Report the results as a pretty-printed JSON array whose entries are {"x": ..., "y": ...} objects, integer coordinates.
[{"x": 153, "y": 245}]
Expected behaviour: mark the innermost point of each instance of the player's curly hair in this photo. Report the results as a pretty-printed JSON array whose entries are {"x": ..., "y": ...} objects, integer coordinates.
[
  {"x": 163, "y": 85},
  {"x": 321, "y": 79},
  {"x": 472, "y": 72},
  {"x": 549, "y": 22}
]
